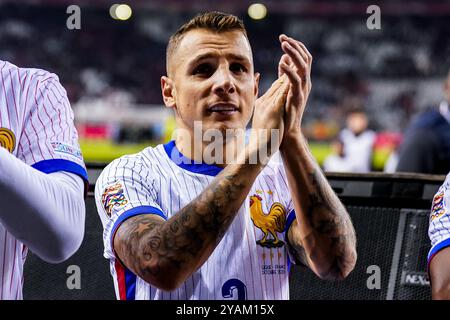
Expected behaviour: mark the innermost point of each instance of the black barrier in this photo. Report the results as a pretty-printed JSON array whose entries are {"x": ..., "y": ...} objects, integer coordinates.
[
  {"x": 47, "y": 281},
  {"x": 390, "y": 215}
]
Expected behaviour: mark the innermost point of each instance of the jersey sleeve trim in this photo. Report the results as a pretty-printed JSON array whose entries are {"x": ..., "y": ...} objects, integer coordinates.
[
  {"x": 131, "y": 213},
  {"x": 290, "y": 219},
  {"x": 436, "y": 248},
  {"x": 56, "y": 165}
]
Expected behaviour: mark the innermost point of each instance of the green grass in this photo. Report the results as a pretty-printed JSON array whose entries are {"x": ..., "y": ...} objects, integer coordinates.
[{"x": 106, "y": 151}]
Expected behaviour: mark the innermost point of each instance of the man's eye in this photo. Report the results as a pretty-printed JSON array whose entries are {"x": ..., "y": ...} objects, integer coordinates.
[
  {"x": 237, "y": 67},
  {"x": 203, "y": 69}
]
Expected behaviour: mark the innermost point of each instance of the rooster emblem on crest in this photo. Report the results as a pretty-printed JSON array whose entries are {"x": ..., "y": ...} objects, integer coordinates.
[{"x": 269, "y": 223}]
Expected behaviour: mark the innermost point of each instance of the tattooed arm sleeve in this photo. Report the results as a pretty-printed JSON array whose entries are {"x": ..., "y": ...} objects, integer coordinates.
[
  {"x": 165, "y": 252},
  {"x": 323, "y": 235}
]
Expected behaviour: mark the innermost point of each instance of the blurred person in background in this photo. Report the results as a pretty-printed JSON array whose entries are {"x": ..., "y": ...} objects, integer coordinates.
[
  {"x": 426, "y": 145},
  {"x": 336, "y": 161},
  {"x": 358, "y": 141}
]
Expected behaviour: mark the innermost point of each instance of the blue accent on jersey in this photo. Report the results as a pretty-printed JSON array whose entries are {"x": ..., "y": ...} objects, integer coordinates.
[
  {"x": 441, "y": 245},
  {"x": 134, "y": 212},
  {"x": 55, "y": 165},
  {"x": 290, "y": 218},
  {"x": 229, "y": 286},
  {"x": 188, "y": 164},
  {"x": 130, "y": 284}
]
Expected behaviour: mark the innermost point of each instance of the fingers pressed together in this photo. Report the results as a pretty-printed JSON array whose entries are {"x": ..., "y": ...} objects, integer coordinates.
[{"x": 296, "y": 62}]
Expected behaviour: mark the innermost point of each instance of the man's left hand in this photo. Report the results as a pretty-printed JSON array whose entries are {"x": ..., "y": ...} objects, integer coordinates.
[{"x": 296, "y": 64}]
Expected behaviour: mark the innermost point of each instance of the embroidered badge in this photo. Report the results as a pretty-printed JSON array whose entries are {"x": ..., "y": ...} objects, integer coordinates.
[
  {"x": 60, "y": 147},
  {"x": 437, "y": 210},
  {"x": 7, "y": 139},
  {"x": 113, "y": 196},
  {"x": 269, "y": 223}
]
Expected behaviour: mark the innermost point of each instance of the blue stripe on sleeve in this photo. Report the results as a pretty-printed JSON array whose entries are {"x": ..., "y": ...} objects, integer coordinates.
[
  {"x": 291, "y": 217},
  {"x": 134, "y": 212},
  {"x": 441, "y": 245},
  {"x": 55, "y": 165}
]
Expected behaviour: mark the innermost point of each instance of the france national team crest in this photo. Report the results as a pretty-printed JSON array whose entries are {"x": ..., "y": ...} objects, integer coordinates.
[
  {"x": 7, "y": 139},
  {"x": 269, "y": 223},
  {"x": 113, "y": 196},
  {"x": 437, "y": 210}
]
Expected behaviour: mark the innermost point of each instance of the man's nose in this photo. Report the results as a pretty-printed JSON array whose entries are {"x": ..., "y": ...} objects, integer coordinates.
[{"x": 223, "y": 81}]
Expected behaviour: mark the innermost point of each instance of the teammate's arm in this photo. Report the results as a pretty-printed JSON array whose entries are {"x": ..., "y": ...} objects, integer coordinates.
[
  {"x": 166, "y": 253},
  {"x": 323, "y": 235},
  {"x": 440, "y": 275},
  {"x": 44, "y": 211},
  {"x": 439, "y": 234}
]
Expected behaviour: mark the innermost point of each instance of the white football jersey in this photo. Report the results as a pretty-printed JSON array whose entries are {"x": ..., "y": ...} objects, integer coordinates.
[
  {"x": 244, "y": 265},
  {"x": 36, "y": 126}
]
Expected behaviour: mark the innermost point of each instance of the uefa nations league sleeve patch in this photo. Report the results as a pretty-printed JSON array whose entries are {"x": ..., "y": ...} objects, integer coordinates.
[{"x": 113, "y": 197}]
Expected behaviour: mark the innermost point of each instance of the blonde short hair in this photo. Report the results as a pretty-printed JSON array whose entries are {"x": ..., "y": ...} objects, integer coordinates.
[{"x": 212, "y": 21}]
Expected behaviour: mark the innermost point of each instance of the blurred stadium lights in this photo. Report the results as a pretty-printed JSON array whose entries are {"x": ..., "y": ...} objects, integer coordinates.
[
  {"x": 112, "y": 10},
  {"x": 120, "y": 11},
  {"x": 291, "y": 7},
  {"x": 257, "y": 11}
]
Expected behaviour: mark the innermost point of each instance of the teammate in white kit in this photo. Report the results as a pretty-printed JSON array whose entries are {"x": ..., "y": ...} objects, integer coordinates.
[
  {"x": 439, "y": 233},
  {"x": 42, "y": 174},
  {"x": 176, "y": 227}
]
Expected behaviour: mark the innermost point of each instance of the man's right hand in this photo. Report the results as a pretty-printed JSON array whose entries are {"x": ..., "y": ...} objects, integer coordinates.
[{"x": 268, "y": 123}]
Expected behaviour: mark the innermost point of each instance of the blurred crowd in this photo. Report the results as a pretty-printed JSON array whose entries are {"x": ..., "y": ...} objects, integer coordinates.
[{"x": 368, "y": 85}]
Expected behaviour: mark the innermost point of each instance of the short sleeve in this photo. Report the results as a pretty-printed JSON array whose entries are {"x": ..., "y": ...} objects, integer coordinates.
[
  {"x": 439, "y": 228},
  {"x": 124, "y": 189},
  {"x": 49, "y": 139}
]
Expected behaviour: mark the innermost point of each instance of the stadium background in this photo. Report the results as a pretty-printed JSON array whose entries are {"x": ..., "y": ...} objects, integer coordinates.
[{"x": 111, "y": 69}]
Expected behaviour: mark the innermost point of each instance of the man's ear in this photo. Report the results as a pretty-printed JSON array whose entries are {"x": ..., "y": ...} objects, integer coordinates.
[
  {"x": 168, "y": 92},
  {"x": 257, "y": 76}
]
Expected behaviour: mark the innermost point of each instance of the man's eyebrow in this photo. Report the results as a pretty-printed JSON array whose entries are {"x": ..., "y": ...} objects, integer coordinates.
[
  {"x": 208, "y": 55},
  {"x": 239, "y": 57},
  {"x": 201, "y": 57}
]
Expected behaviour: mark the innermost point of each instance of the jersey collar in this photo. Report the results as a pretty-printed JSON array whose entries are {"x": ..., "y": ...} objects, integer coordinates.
[{"x": 188, "y": 164}]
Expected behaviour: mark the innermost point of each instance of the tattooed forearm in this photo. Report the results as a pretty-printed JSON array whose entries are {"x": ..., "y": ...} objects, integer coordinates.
[
  {"x": 325, "y": 212},
  {"x": 326, "y": 232},
  {"x": 331, "y": 226},
  {"x": 156, "y": 249}
]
